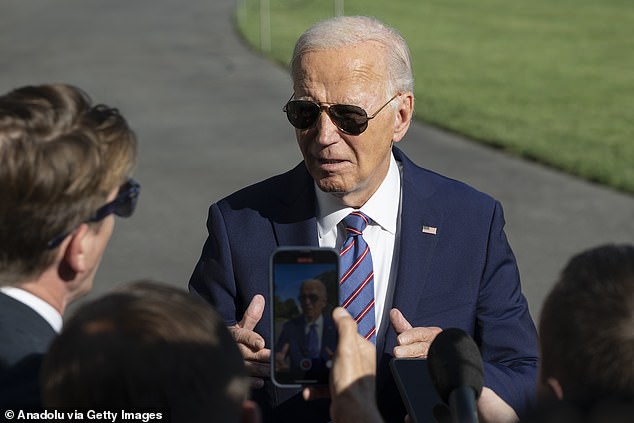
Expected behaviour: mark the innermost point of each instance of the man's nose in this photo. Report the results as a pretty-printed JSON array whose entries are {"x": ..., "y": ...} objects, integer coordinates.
[{"x": 327, "y": 132}]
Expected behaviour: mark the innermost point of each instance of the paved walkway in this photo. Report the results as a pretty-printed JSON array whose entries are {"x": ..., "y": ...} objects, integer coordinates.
[{"x": 208, "y": 114}]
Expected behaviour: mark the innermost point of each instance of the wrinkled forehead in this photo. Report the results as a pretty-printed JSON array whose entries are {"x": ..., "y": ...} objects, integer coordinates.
[{"x": 360, "y": 68}]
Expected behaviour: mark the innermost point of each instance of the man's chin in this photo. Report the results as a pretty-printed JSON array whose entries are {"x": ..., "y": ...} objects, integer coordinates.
[{"x": 331, "y": 188}]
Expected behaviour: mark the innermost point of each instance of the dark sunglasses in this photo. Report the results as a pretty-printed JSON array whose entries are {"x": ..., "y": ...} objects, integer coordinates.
[
  {"x": 123, "y": 206},
  {"x": 313, "y": 298},
  {"x": 351, "y": 120}
]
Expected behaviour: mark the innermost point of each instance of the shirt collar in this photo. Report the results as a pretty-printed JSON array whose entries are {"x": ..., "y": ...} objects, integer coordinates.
[
  {"x": 40, "y": 306},
  {"x": 319, "y": 321},
  {"x": 382, "y": 207}
]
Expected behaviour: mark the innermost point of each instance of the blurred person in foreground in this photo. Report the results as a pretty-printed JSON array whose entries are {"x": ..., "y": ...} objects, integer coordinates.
[
  {"x": 147, "y": 347},
  {"x": 438, "y": 255},
  {"x": 65, "y": 167},
  {"x": 586, "y": 333}
]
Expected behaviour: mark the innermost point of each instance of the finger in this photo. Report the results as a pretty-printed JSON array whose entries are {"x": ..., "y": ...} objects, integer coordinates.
[
  {"x": 415, "y": 350},
  {"x": 399, "y": 321},
  {"x": 247, "y": 338},
  {"x": 253, "y": 313},
  {"x": 346, "y": 326},
  {"x": 280, "y": 356},
  {"x": 351, "y": 345},
  {"x": 262, "y": 356},
  {"x": 420, "y": 334},
  {"x": 257, "y": 369},
  {"x": 251, "y": 354},
  {"x": 368, "y": 352}
]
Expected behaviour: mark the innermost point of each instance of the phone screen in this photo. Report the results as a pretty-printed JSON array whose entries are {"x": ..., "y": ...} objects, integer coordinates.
[{"x": 305, "y": 290}]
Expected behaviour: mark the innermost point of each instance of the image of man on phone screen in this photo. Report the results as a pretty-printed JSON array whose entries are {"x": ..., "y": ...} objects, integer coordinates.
[{"x": 307, "y": 341}]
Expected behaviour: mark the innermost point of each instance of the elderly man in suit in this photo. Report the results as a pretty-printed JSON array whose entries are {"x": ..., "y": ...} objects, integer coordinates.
[
  {"x": 64, "y": 172},
  {"x": 436, "y": 255}
]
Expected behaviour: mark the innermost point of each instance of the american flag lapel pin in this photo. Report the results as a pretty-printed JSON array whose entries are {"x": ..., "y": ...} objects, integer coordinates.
[{"x": 431, "y": 230}]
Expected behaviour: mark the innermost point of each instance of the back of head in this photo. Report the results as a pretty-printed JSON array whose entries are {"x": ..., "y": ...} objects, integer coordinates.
[
  {"x": 348, "y": 31},
  {"x": 60, "y": 157},
  {"x": 147, "y": 345},
  {"x": 587, "y": 325}
]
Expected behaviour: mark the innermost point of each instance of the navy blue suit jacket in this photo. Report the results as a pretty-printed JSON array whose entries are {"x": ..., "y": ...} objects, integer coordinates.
[
  {"x": 24, "y": 338},
  {"x": 463, "y": 276}
]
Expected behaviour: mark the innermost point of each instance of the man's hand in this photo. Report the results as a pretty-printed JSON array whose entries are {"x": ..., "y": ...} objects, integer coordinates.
[
  {"x": 281, "y": 361},
  {"x": 352, "y": 379},
  {"x": 411, "y": 342},
  {"x": 251, "y": 344},
  {"x": 415, "y": 342}
]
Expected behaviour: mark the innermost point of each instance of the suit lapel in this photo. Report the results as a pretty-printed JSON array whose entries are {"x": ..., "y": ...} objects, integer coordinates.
[
  {"x": 421, "y": 226},
  {"x": 415, "y": 252},
  {"x": 419, "y": 221},
  {"x": 296, "y": 224}
]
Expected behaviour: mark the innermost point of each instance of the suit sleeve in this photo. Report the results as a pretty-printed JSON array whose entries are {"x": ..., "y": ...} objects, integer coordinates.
[
  {"x": 504, "y": 328},
  {"x": 213, "y": 278}
]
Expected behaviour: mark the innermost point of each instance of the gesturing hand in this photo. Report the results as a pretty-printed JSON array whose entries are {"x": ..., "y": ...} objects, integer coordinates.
[
  {"x": 281, "y": 359},
  {"x": 411, "y": 342},
  {"x": 251, "y": 344}
]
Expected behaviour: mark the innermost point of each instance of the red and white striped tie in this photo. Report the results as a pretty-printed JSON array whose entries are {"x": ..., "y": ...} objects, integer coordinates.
[{"x": 356, "y": 281}]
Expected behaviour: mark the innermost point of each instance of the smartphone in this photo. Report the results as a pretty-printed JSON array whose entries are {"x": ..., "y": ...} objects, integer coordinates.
[
  {"x": 304, "y": 291},
  {"x": 416, "y": 388}
]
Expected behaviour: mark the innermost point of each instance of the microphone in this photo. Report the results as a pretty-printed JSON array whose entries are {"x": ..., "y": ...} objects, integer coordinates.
[{"x": 455, "y": 366}]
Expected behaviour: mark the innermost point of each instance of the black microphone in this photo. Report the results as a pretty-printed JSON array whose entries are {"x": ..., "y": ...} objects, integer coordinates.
[{"x": 455, "y": 366}]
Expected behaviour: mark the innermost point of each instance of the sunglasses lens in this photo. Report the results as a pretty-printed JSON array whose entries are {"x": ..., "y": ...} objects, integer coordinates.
[
  {"x": 126, "y": 200},
  {"x": 309, "y": 297},
  {"x": 352, "y": 120},
  {"x": 302, "y": 114}
]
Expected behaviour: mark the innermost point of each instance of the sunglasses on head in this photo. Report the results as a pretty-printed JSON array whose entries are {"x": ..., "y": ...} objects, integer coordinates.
[
  {"x": 123, "y": 206},
  {"x": 351, "y": 120}
]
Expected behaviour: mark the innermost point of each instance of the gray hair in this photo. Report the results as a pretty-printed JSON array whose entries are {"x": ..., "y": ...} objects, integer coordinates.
[{"x": 343, "y": 31}]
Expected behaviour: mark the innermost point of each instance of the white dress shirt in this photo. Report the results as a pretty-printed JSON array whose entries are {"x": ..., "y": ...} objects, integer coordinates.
[
  {"x": 38, "y": 305},
  {"x": 382, "y": 235}
]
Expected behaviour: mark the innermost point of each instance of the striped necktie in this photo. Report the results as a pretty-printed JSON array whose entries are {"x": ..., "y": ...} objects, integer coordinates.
[
  {"x": 313, "y": 341},
  {"x": 356, "y": 281}
]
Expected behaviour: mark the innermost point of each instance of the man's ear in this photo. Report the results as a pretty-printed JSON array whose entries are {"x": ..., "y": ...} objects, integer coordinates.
[
  {"x": 403, "y": 117},
  {"x": 555, "y": 387},
  {"x": 250, "y": 412},
  {"x": 75, "y": 255}
]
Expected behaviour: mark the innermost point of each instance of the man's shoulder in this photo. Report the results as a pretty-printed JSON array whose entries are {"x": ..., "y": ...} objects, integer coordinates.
[
  {"x": 16, "y": 316},
  {"x": 22, "y": 330},
  {"x": 287, "y": 197},
  {"x": 14, "y": 310},
  {"x": 277, "y": 186},
  {"x": 433, "y": 184}
]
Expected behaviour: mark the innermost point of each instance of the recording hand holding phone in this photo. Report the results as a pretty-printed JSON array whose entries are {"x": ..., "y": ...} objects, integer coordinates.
[{"x": 456, "y": 369}]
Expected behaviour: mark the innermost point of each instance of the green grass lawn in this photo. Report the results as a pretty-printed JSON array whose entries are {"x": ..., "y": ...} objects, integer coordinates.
[{"x": 551, "y": 80}]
